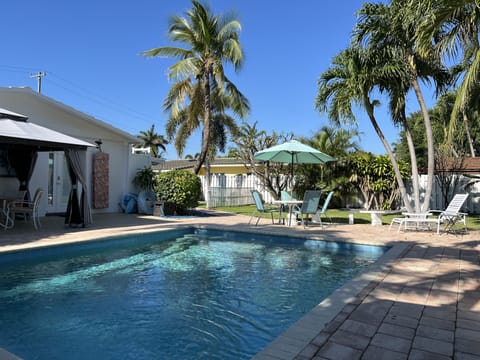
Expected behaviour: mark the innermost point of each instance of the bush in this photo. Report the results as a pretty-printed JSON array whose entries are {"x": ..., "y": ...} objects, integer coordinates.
[{"x": 180, "y": 187}]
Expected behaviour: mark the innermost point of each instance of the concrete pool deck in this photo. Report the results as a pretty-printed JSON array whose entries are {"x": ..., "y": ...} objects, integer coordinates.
[{"x": 421, "y": 300}]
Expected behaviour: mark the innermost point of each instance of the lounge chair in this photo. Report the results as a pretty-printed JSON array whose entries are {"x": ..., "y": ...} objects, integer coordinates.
[
  {"x": 260, "y": 208},
  {"x": 317, "y": 217},
  {"x": 309, "y": 206},
  {"x": 450, "y": 216}
]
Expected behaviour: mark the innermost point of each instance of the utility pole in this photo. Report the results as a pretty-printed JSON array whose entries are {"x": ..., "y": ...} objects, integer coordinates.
[{"x": 39, "y": 76}]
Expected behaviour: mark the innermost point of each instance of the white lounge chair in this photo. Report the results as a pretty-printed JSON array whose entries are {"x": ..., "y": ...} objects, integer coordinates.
[{"x": 450, "y": 216}]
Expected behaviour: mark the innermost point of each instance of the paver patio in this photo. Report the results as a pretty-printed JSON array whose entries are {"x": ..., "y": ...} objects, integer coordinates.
[{"x": 421, "y": 300}]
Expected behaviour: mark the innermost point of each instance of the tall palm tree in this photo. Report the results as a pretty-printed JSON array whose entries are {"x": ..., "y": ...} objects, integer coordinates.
[
  {"x": 351, "y": 79},
  {"x": 150, "y": 139},
  {"x": 458, "y": 22},
  {"x": 201, "y": 91},
  {"x": 390, "y": 30}
]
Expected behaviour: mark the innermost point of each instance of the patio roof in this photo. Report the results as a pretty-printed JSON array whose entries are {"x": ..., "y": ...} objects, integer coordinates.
[{"x": 15, "y": 130}]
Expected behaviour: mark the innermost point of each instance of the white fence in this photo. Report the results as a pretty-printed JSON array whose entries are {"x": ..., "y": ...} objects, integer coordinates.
[{"x": 233, "y": 190}]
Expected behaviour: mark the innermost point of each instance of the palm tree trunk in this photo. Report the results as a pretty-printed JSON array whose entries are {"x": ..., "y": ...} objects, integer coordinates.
[
  {"x": 430, "y": 149},
  {"x": 413, "y": 162},
  {"x": 208, "y": 183},
  {"x": 469, "y": 135},
  {"x": 206, "y": 124},
  {"x": 396, "y": 169}
]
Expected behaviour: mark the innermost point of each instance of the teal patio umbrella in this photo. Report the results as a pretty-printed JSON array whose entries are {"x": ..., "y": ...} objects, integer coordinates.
[{"x": 293, "y": 152}]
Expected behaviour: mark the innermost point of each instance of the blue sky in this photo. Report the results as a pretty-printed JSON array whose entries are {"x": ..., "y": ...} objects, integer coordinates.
[{"x": 90, "y": 52}]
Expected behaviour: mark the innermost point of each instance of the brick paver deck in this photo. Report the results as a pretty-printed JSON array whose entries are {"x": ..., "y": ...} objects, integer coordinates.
[{"x": 420, "y": 301}]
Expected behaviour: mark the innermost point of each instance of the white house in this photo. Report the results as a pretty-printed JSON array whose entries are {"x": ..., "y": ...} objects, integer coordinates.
[{"x": 109, "y": 167}]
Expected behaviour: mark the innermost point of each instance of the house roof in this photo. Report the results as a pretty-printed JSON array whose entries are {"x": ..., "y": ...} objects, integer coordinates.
[
  {"x": 187, "y": 164},
  {"x": 470, "y": 165},
  {"x": 29, "y": 92}
]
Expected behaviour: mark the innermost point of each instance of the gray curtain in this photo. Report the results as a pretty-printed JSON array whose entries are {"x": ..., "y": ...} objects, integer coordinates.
[
  {"x": 23, "y": 160},
  {"x": 73, "y": 158}
]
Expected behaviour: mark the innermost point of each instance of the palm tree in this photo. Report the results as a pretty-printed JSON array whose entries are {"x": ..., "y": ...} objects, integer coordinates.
[
  {"x": 353, "y": 76},
  {"x": 202, "y": 93},
  {"x": 150, "y": 139},
  {"x": 389, "y": 30},
  {"x": 339, "y": 143},
  {"x": 458, "y": 22}
]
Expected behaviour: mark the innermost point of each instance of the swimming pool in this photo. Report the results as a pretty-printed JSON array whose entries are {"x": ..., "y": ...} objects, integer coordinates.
[{"x": 183, "y": 294}]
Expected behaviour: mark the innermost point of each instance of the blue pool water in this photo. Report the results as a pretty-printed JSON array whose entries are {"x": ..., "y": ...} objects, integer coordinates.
[{"x": 188, "y": 294}]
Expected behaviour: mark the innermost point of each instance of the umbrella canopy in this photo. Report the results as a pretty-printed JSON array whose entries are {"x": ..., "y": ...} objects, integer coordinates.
[{"x": 293, "y": 152}]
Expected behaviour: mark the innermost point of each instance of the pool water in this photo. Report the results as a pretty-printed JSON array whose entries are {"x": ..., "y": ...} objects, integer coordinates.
[{"x": 199, "y": 295}]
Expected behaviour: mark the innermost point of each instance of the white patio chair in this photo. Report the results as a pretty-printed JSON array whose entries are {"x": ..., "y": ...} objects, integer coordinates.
[{"x": 29, "y": 209}]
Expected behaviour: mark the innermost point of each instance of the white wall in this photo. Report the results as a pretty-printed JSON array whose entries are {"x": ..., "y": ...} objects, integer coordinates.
[{"x": 71, "y": 122}]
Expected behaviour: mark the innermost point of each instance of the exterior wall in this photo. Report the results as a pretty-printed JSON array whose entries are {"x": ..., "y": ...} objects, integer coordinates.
[
  {"x": 59, "y": 117},
  {"x": 137, "y": 162}
]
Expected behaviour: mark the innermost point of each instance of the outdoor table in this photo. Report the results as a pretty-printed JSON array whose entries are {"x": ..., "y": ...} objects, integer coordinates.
[
  {"x": 291, "y": 204},
  {"x": 376, "y": 215}
]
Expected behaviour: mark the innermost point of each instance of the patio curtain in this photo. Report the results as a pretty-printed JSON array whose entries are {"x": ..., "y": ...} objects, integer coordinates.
[
  {"x": 23, "y": 161},
  {"x": 73, "y": 217},
  {"x": 85, "y": 216}
]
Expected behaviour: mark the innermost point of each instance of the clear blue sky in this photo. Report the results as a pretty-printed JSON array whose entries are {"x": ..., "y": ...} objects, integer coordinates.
[{"x": 90, "y": 52}]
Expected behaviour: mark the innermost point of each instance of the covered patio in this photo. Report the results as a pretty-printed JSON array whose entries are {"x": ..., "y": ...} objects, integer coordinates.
[{"x": 20, "y": 142}]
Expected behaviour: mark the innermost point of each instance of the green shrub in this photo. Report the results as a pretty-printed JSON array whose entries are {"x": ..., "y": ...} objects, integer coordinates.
[{"x": 180, "y": 187}]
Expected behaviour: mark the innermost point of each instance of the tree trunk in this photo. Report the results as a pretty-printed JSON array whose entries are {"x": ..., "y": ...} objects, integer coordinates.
[
  {"x": 396, "y": 169},
  {"x": 430, "y": 149},
  {"x": 208, "y": 183},
  {"x": 206, "y": 124},
  {"x": 414, "y": 165},
  {"x": 469, "y": 136}
]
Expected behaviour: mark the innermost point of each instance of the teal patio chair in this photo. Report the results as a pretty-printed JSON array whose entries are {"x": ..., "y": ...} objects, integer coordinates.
[
  {"x": 260, "y": 208},
  {"x": 309, "y": 206},
  {"x": 317, "y": 217}
]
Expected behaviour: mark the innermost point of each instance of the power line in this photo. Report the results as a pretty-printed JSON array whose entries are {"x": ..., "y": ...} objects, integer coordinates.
[{"x": 80, "y": 91}]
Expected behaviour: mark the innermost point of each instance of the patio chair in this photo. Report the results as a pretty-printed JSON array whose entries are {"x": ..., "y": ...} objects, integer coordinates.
[
  {"x": 260, "y": 208},
  {"x": 27, "y": 209},
  {"x": 317, "y": 217},
  {"x": 311, "y": 199},
  {"x": 450, "y": 216}
]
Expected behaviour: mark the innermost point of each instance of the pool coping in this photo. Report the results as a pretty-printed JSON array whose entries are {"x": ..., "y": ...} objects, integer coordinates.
[{"x": 297, "y": 337}]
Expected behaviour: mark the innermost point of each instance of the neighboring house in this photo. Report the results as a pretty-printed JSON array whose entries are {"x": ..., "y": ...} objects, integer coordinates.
[
  {"x": 231, "y": 180},
  {"x": 110, "y": 167},
  {"x": 225, "y": 166}
]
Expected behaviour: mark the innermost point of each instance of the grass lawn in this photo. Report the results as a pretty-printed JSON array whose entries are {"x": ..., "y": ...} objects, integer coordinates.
[{"x": 341, "y": 216}]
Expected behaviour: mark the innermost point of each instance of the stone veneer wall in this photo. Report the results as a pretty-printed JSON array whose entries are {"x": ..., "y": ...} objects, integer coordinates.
[{"x": 100, "y": 179}]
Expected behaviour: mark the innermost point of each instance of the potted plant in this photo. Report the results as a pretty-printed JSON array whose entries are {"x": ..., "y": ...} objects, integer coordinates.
[{"x": 144, "y": 180}]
